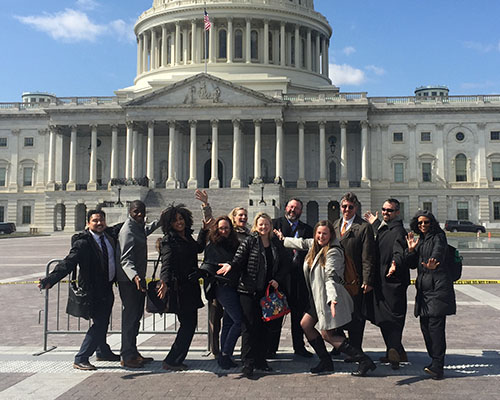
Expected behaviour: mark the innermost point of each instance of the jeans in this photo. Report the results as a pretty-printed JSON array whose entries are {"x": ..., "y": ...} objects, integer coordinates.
[{"x": 231, "y": 321}]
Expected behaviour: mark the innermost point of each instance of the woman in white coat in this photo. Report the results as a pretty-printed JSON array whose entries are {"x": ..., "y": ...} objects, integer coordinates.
[{"x": 331, "y": 306}]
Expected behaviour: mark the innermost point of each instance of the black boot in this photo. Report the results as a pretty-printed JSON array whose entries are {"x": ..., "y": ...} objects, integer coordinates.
[
  {"x": 365, "y": 363},
  {"x": 325, "y": 361}
]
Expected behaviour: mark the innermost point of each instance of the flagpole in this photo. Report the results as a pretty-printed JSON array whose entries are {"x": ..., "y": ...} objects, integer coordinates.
[{"x": 205, "y": 36}]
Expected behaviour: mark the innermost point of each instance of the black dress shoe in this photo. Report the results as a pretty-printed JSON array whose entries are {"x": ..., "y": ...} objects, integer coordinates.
[
  {"x": 84, "y": 366},
  {"x": 143, "y": 359},
  {"x": 365, "y": 365},
  {"x": 435, "y": 373},
  {"x": 264, "y": 366},
  {"x": 108, "y": 357},
  {"x": 247, "y": 371},
  {"x": 303, "y": 353}
]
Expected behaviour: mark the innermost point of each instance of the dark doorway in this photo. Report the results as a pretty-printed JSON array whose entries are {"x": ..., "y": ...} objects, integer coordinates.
[
  {"x": 208, "y": 173},
  {"x": 59, "y": 217},
  {"x": 312, "y": 213},
  {"x": 80, "y": 217},
  {"x": 333, "y": 211}
]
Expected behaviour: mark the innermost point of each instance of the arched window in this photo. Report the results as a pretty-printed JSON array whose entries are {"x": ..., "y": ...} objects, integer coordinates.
[
  {"x": 169, "y": 49},
  {"x": 59, "y": 217},
  {"x": 312, "y": 213},
  {"x": 189, "y": 50},
  {"x": 292, "y": 50},
  {"x": 238, "y": 44},
  {"x": 303, "y": 52},
  {"x": 254, "y": 46},
  {"x": 270, "y": 46},
  {"x": 160, "y": 53},
  {"x": 180, "y": 50},
  {"x": 222, "y": 43},
  {"x": 461, "y": 168},
  {"x": 332, "y": 178}
]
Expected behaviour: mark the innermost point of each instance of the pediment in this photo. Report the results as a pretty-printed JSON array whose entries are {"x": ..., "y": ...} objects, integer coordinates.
[{"x": 203, "y": 90}]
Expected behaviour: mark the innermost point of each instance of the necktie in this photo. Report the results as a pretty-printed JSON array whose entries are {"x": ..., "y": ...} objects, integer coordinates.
[
  {"x": 344, "y": 226},
  {"x": 105, "y": 254}
]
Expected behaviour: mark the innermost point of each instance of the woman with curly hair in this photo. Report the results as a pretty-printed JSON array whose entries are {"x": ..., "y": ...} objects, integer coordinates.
[
  {"x": 222, "y": 245},
  {"x": 179, "y": 267},
  {"x": 435, "y": 297},
  {"x": 330, "y": 305}
]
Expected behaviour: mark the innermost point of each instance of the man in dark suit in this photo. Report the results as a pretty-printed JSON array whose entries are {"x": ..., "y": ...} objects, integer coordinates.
[
  {"x": 357, "y": 239},
  {"x": 392, "y": 280},
  {"x": 94, "y": 251},
  {"x": 297, "y": 294}
]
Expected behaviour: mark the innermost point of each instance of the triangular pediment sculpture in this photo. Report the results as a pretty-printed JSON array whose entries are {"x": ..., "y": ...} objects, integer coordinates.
[{"x": 203, "y": 90}]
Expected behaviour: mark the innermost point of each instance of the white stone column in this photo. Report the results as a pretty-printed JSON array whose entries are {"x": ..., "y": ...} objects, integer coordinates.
[
  {"x": 309, "y": 50},
  {"x": 211, "y": 43},
  {"x": 236, "y": 181},
  {"x": 365, "y": 180},
  {"x": 327, "y": 58},
  {"x": 317, "y": 54},
  {"x": 139, "y": 54},
  {"x": 282, "y": 45},
  {"x": 71, "y": 185},
  {"x": 266, "y": 41},
  {"x": 92, "y": 184},
  {"x": 412, "y": 159},
  {"x": 173, "y": 52},
  {"x": 289, "y": 49},
  {"x": 150, "y": 160},
  {"x": 279, "y": 152},
  {"x": 193, "y": 178},
  {"x": 185, "y": 44},
  {"x": 177, "y": 43},
  {"x": 214, "y": 179},
  {"x": 113, "y": 172},
  {"x": 324, "y": 56},
  {"x": 297, "y": 46},
  {"x": 154, "y": 46},
  {"x": 257, "y": 159},
  {"x": 481, "y": 154},
  {"x": 145, "y": 37},
  {"x": 301, "y": 181},
  {"x": 134, "y": 155},
  {"x": 230, "y": 40},
  {"x": 14, "y": 161},
  {"x": 128, "y": 150},
  {"x": 344, "y": 179},
  {"x": 248, "y": 41},
  {"x": 194, "y": 33},
  {"x": 164, "y": 48},
  {"x": 172, "y": 170},
  {"x": 52, "y": 155},
  {"x": 323, "y": 181}
]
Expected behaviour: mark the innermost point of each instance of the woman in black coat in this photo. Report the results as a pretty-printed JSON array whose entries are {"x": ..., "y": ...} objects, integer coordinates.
[
  {"x": 179, "y": 266},
  {"x": 435, "y": 297},
  {"x": 260, "y": 261}
]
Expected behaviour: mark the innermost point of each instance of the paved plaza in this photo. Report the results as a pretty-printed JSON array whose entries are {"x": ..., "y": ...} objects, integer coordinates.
[{"x": 472, "y": 363}]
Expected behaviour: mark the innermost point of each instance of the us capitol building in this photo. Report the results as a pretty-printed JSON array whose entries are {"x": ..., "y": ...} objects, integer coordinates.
[{"x": 247, "y": 110}]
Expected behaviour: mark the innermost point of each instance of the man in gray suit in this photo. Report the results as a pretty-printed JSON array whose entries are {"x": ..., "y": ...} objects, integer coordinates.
[{"x": 132, "y": 281}]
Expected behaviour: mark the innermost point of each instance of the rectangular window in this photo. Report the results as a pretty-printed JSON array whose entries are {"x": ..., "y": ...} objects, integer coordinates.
[
  {"x": 427, "y": 205},
  {"x": 425, "y": 136},
  {"x": 397, "y": 137},
  {"x": 495, "y": 171},
  {"x": 27, "y": 176},
  {"x": 462, "y": 210},
  {"x": 3, "y": 174},
  {"x": 496, "y": 210},
  {"x": 2, "y": 214},
  {"x": 26, "y": 215},
  {"x": 3, "y": 142},
  {"x": 426, "y": 172},
  {"x": 28, "y": 142},
  {"x": 495, "y": 135},
  {"x": 399, "y": 176}
]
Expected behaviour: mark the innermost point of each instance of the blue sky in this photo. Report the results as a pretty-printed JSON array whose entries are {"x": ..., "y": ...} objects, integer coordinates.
[{"x": 383, "y": 47}]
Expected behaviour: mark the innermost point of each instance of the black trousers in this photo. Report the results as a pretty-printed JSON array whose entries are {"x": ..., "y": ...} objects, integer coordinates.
[
  {"x": 433, "y": 329},
  {"x": 215, "y": 313},
  {"x": 393, "y": 335},
  {"x": 356, "y": 328},
  {"x": 132, "y": 312},
  {"x": 95, "y": 338},
  {"x": 253, "y": 331},
  {"x": 188, "y": 319}
]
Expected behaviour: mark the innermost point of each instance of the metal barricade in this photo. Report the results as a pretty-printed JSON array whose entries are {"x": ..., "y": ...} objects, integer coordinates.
[{"x": 149, "y": 325}]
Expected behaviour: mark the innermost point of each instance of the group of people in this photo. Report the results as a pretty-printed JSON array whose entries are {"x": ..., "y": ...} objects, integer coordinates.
[{"x": 239, "y": 264}]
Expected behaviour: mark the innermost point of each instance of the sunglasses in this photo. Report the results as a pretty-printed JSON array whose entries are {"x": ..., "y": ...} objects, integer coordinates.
[
  {"x": 348, "y": 206},
  {"x": 389, "y": 210},
  {"x": 423, "y": 222}
]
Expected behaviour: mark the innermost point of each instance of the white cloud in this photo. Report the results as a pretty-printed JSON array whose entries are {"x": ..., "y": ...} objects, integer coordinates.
[
  {"x": 376, "y": 70},
  {"x": 68, "y": 25},
  {"x": 87, "y": 4},
  {"x": 346, "y": 75},
  {"x": 482, "y": 47},
  {"x": 348, "y": 50},
  {"x": 75, "y": 26}
]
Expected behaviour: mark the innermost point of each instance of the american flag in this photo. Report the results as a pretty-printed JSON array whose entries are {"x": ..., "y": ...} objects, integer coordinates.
[{"x": 206, "y": 21}]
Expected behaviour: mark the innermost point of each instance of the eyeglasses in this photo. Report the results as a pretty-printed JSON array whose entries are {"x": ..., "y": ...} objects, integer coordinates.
[
  {"x": 427, "y": 222},
  {"x": 389, "y": 210},
  {"x": 348, "y": 206}
]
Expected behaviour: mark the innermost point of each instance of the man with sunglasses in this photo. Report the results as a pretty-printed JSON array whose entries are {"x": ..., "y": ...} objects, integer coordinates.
[
  {"x": 357, "y": 239},
  {"x": 392, "y": 280}
]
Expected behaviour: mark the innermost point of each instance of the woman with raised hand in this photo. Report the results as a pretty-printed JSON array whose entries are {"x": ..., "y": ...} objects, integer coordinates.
[
  {"x": 259, "y": 261},
  {"x": 330, "y": 305},
  {"x": 435, "y": 298}
]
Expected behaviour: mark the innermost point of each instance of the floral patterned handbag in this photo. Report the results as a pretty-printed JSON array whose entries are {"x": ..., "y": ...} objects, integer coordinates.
[{"x": 274, "y": 305}]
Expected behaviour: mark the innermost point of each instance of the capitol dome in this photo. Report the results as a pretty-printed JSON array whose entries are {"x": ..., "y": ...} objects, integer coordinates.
[{"x": 265, "y": 45}]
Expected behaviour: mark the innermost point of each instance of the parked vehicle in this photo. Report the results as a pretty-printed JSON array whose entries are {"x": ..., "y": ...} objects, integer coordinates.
[
  {"x": 7, "y": 227},
  {"x": 462, "y": 226}
]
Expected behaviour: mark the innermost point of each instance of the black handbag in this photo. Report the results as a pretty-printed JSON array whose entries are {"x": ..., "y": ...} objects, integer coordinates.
[
  {"x": 79, "y": 301},
  {"x": 155, "y": 305}
]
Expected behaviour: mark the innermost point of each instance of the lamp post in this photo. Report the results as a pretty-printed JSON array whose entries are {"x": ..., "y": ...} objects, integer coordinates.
[
  {"x": 119, "y": 202},
  {"x": 262, "y": 201}
]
